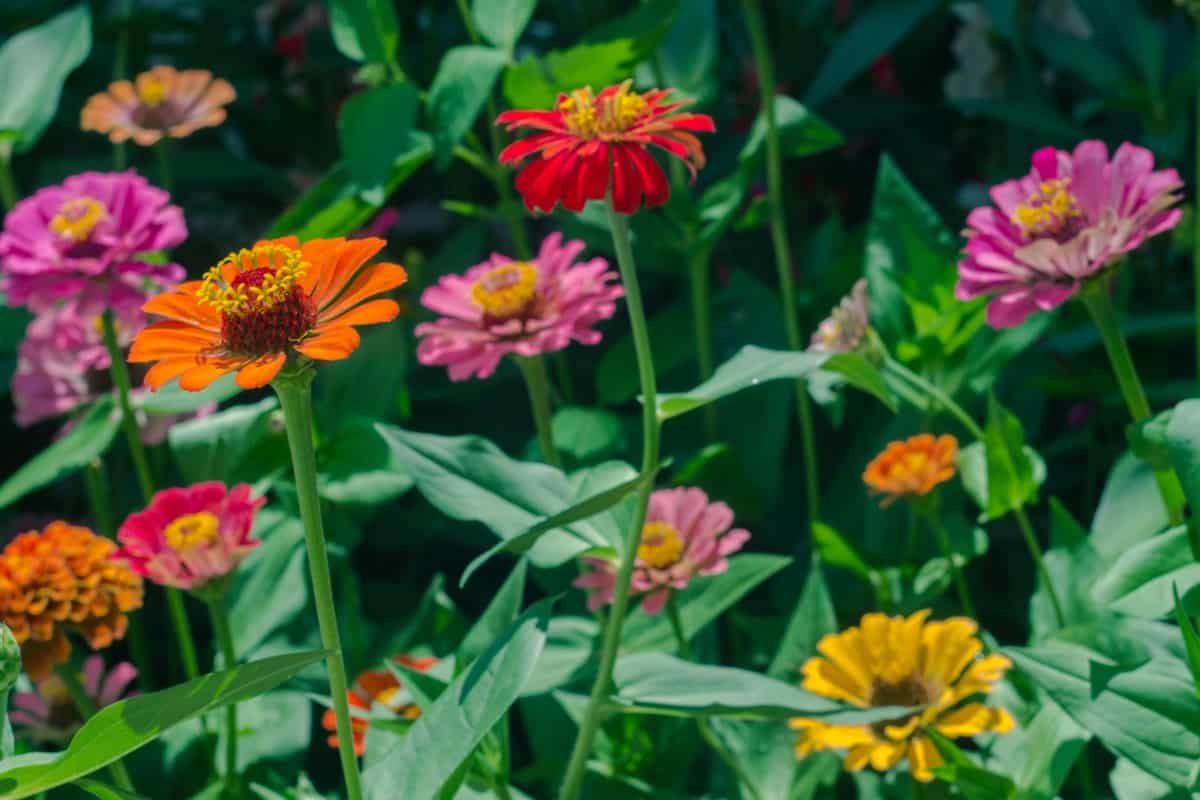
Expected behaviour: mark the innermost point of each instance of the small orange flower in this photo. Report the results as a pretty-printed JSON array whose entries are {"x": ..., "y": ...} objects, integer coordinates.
[
  {"x": 62, "y": 579},
  {"x": 160, "y": 102},
  {"x": 912, "y": 467},
  {"x": 380, "y": 689},
  {"x": 258, "y": 307}
]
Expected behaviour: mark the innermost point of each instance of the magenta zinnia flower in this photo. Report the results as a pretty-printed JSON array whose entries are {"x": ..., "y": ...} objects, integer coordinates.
[
  {"x": 1072, "y": 216},
  {"x": 192, "y": 536},
  {"x": 684, "y": 536},
  {"x": 84, "y": 241},
  {"x": 49, "y": 715},
  {"x": 524, "y": 308}
]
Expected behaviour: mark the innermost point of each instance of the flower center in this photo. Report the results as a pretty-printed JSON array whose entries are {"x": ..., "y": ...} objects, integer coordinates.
[
  {"x": 586, "y": 117},
  {"x": 506, "y": 291},
  {"x": 152, "y": 92},
  {"x": 911, "y": 690},
  {"x": 661, "y": 545},
  {"x": 77, "y": 218},
  {"x": 913, "y": 462},
  {"x": 191, "y": 531},
  {"x": 263, "y": 307},
  {"x": 1048, "y": 211}
]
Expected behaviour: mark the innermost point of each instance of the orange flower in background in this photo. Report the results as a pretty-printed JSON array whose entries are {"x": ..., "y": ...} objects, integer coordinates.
[
  {"x": 162, "y": 101},
  {"x": 912, "y": 467},
  {"x": 592, "y": 144},
  {"x": 61, "y": 579},
  {"x": 258, "y": 307},
  {"x": 378, "y": 690}
]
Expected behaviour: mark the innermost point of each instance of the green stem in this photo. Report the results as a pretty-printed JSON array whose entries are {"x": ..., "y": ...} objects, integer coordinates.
[
  {"x": 1097, "y": 299},
  {"x": 96, "y": 484},
  {"x": 162, "y": 151},
  {"x": 960, "y": 582},
  {"x": 699, "y": 281},
  {"x": 120, "y": 68},
  {"x": 934, "y": 392},
  {"x": 533, "y": 369},
  {"x": 1196, "y": 205},
  {"x": 177, "y": 611},
  {"x": 295, "y": 397},
  {"x": 9, "y": 194},
  {"x": 224, "y": 636},
  {"x": 1039, "y": 561},
  {"x": 69, "y": 675},
  {"x": 577, "y": 766},
  {"x": 676, "y": 620}
]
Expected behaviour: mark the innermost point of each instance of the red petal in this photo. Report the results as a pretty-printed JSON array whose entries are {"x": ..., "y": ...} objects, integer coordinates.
[
  {"x": 546, "y": 120},
  {"x": 593, "y": 176},
  {"x": 702, "y": 123},
  {"x": 626, "y": 193},
  {"x": 651, "y": 178},
  {"x": 524, "y": 147},
  {"x": 571, "y": 179}
]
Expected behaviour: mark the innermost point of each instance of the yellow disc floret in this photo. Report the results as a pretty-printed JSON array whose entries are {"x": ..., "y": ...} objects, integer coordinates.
[
  {"x": 151, "y": 91},
  {"x": 661, "y": 545},
  {"x": 252, "y": 280},
  {"x": 506, "y": 291},
  {"x": 191, "y": 531},
  {"x": 77, "y": 218},
  {"x": 1048, "y": 210},
  {"x": 586, "y": 115}
]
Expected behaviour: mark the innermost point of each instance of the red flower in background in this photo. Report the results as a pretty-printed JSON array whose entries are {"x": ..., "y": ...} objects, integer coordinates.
[{"x": 591, "y": 145}]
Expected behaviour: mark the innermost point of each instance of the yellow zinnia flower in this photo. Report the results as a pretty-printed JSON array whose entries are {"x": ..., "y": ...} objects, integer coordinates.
[{"x": 933, "y": 667}]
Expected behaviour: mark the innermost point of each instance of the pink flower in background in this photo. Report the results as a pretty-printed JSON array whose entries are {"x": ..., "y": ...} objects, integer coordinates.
[
  {"x": 1073, "y": 215},
  {"x": 843, "y": 330},
  {"x": 525, "y": 308},
  {"x": 189, "y": 537},
  {"x": 684, "y": 536},
  {"x": 85, "y": 240},
  {"x": 48, "y": 714}
]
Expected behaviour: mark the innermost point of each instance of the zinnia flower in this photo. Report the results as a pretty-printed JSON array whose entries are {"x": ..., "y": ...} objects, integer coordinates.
[
  {"x": 843, "y": 330},
  {"x": 258, "y": 307},
  {"x": 49, "y": 715},
  {"x": 684, "y": 536},
  {"x": 377, "y": 691},
  {"x": 1072, "y": 216},
  {"x": 162, "y": 101},
  {"x": 520, "y": 307},
  {"x": 591, "y": 146},
  {"x": 190, "y": 537},
  {"x": 59, "y": 579},
  {"x": 932, "y": 667},
  {"x": 913, "y": 467}
]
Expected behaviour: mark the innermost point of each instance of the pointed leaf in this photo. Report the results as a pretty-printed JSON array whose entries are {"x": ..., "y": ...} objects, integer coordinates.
[
  {"x": 1141, "y": 580},
  {"x": 365, "y": 30},
  {"x": 501, "y": 22},
  {"x": 460, "y": 89},
  {"x": 813, "y": 617},
  {"x": 497, "y": 617},
  {"x": 1191, "y": 640}
]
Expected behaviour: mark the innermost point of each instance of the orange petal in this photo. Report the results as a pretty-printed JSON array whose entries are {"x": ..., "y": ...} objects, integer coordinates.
[
  {"x": 184, "y": 307},
  {"x": 165, "y": 370},
  {"x": 332, "y": 344},
  {"x": 201, "y": 375},
  {"x": 261, "y": 371},
  {"x": 286, "y": 241},
  {"x": 369, "y": 281},
  {"x": 170, "y": 339},
  {"x": 322, "y": 256},
  {"x": 342, "y": 265},
  {"x": 369, "y": 313}
]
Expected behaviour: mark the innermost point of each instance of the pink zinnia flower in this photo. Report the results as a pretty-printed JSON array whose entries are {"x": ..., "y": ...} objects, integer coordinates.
[
  {"x": 684, "y": 536},
  {"x": 48, "y": 714},
  {"x": 190, "y": 537},
  {"x": 526, "y": 308},
  {"x": 1072, "y": 216},
  {"x": 84, "y": 240}
]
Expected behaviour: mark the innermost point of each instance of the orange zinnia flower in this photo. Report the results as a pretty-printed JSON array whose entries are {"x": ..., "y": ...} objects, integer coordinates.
[
  {"x": 62, "y": 579},
  {"x": 160, "y": 102},
  {"x": 912, "y": 467},
  {"x": 258, "y": 307},
  {"x": 377, "y": 688}
]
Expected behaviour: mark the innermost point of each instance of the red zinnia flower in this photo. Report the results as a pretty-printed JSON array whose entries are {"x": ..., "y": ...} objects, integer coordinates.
[{"x": 591, "y": 145}]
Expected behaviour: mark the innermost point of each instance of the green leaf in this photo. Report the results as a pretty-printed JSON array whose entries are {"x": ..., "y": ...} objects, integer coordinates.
[
  {"x": 1141, "y": 580},
  {"x": 1191, "y": 640},
  {"x": 858, "y": 371},
  {"x": 460, "y": 89},
  {"x": 801, "y": 133},
  {"x": 85, "y": 442},
  {"x": 446, "y": 734},
  {"x": 812, "y": 618},
  {"x": 1039, "y": 754},
  {"x": 170, "y": 399},
  {"x": 501, "y": 22},
  {"x": 33, "y": 66},
  {"x": 241, "y": 443},
  {"x": 356, "y": 466},
  {"x": 500, "y": 613},
  {"x": 119, "y": 729},
  {"x": 1011, "y": 478},
  {"x": 374, "y": 130},
  {"x": 365, "y": 30},
  {"x": 690, "y": 51},
  {"x": 1148, "y": 715},
  {"x": 972, "y": 465},
  {"x": 103, "y": 791},
  {"x": 1130, "y": 783},
  {"x": 837, "y": 552},
  {"x": 1183, "y": 448},
  {"x": 975, "y": 782},
  {"x": 1148, "y": 439},
  {"x": 586, "y": 434},
  {"x": 1130, "y": 510},
  {"x": 270, "y": 588}
]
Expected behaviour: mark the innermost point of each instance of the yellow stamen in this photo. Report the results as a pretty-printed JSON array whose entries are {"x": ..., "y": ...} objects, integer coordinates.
[
  {"x": 191, "y": 531},
  {"x": 661, "y": 545},
  {"x": 283, "y": 268},
  {"x": 151, "y": 91},
  {"x": 506, "y": 291},
  {"x": 1048, "y": 209},
  {"x": 77, "y": 218},
  {"x": 614, "y": 115}
]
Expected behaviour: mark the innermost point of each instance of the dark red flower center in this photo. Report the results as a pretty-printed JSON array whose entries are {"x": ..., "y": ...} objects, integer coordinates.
[{"x": 261, "y": 328}]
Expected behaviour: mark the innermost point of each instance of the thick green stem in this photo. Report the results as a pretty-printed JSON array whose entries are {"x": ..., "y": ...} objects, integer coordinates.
[
  {"x": 537, "y": 383},
  {"x": 69, "y": 675},
  {"x": 577, "y": 766},
  {"x": 1099, "y": 304},
  {"x": 699, "y": 281},
  {"x": 960, "y": 582},
  {"x": 295, "y": 397},
  {"x": 1039, "y": 561},
  {"x": 9, "y": 195},
  {"x": 224, "y": 635}
]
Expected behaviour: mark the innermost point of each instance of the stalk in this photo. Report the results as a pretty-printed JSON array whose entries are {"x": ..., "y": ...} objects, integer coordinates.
[
  {"x": 700, "y": 285},
  {"x": 9, "y": 195},
  {"x": 960, "y": 582},
  {"x": 67, "y": 673},
  {"x": 295, "y": 398},
  {"x": 162, "y": 151},
  {"x": 120, "y": 66},
  {"x": 224, "y": 635},
  {"x": 1039, "y": 561},
  {"x": 533, "y": 369}
]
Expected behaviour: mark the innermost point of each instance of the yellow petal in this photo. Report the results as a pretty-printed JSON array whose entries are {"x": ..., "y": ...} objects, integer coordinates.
[{"x": 922, "y": 758}]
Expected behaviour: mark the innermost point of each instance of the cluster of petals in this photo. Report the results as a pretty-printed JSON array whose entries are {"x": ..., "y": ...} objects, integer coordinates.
[
  {"x": 189, "y": 537},
  {"x": 523, "y": 308},
  {"x": 685, "y": 536},
  {"x": 377, "y": 691},
  {"x": 161, "y": 102},
  {"x": 63, "y": 578},
  {"x": 935, "y": 667},
  {"x": 913, "y": 467},
  {"x": 49, "y": 715},
  {"x": 843, "y": 330},
  {"x": 1075, "y": 214}
]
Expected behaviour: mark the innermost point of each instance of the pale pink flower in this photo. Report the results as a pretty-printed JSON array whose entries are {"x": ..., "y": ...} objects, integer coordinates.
[
  {"x": 843, "y": 330},
  {"x": 190, "y": 537},
  {"x": 49, "y": 715},
  {"x": 685, "y": 536},
  {"x": 1072, "y": 216},
  {"x": 525, "y": 308},
  {"x": 85, "y": 241}
]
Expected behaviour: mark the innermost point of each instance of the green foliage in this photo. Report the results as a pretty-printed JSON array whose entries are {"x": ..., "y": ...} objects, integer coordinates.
[
  {"x": 460, "y": 89},
  {"x": 1001, "y": 473},
  {"x": 501, "y": 22},
  {"x": 375, "y": 129},
  {"x": 365, "y": 30}
]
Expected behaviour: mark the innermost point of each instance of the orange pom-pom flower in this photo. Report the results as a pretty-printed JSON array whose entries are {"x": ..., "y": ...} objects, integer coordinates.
[{"x": 912, "y": 467}]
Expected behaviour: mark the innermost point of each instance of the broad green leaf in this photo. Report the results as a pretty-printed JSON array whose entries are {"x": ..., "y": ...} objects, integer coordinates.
[
  {"x": 690, "y": 51},
  {"x": 501, "y": 22},
  {"x": 1130, "y": 509},
  {"x": 33, "y": 66},
  {"x": 374, "y": 130},
  {"x": 801, "y": 133},
  {"x": 381, "y": 361},
  {"x": 812, "y": 618},
  {"x": 119, "y": 729},
  {"x": 1141, "y": 580},
  {"x": 103, "y": 791},
  {"x": 86, "y": 441},
  {"x": 270, "y": 589},
  {"x": 1130, "y": 783},
  {"x": 1191, "y": 640},
  {"x": 460, "y": 89},
  {"x": 1148, "y": 439},
  {"x": 1183, "y": 448},
  {"x": 1148, "y": 715},
  {"x": 241, "y": 443},
  {"x": 170, "y": 399},
  {"x": 1040, "y": 754},
  {"x": 356, "y": 466},
  {"x": 571, "y": 645},
  {"x": 975, "y": 782},
  {"x": 500, "y": 613},
  {"x": 587, "y": 434},
  {"x": 973, "y": 466},
  {"x": 365, "y": 30},
  {"x": 427, "y": 756},
  {"x": 837, "y": 552}
]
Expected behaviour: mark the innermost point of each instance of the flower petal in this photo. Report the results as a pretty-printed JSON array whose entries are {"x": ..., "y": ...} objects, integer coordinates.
[{"x": 332, "y": 344}]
